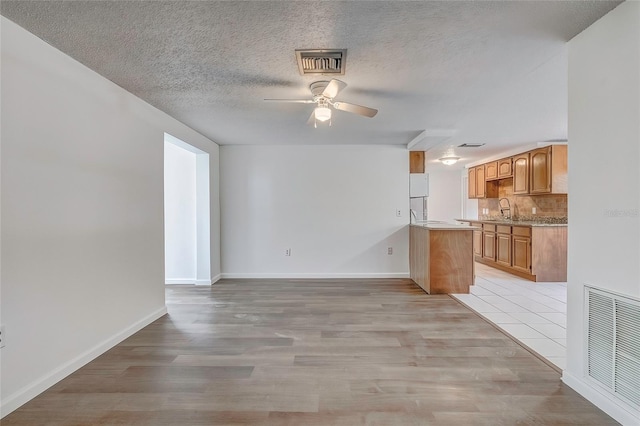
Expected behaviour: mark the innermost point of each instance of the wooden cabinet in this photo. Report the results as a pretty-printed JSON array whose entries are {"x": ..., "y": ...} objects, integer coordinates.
[
  {"x": 472, "y": 183},
  {"x": 477, "y": 241},
  {"x": 503, "y": 245},
  {"x": 521, "y": 253},
  {"x": 480, "y": 182},
  {"x": 521, "y": 249},
  {"x": 537, "y": 253},
  {"x": 489, "y": 242},
  {"x": 548, "y": 170},
  {"x": 521, "y": 174},
  {"x": 416, "y": 162},
  {"x": 540, "y": 171},
  {"x": 491, "y": 170},
  {"x": 479, "y": 187},
  {"x": 504, "y": 168},
  {"x": 441, "y": 260}
]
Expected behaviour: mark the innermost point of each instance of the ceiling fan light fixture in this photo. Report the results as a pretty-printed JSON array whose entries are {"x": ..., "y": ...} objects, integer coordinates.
[
  {"x": 322, "y": 113},
  {"x": 449, "y": 161}
]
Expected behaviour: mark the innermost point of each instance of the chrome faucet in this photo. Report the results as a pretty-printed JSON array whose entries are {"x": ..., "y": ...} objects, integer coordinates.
[{"x": 505, "y": 211}]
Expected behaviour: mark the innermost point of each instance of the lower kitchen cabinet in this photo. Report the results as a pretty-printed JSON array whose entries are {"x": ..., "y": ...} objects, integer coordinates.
[
  {"x": 477, "y": 242},
  {"x": 521, "y": 253},
  {"x": 537, "y": 253},
  {"x": 489, "y": 245},
  {"x": 503, "y": 249}
]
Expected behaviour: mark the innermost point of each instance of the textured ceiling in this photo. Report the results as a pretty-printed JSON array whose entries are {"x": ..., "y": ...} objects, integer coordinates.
[{"x": 479, "y": 71}]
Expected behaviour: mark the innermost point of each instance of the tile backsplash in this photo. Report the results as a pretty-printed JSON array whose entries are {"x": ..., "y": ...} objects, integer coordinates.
[{"x": 521, "y": 205}]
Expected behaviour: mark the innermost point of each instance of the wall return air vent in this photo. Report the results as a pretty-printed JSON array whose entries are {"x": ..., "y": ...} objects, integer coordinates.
[
  {"x": 321, "y": 61},
  {"x": 613, "y": 347}
]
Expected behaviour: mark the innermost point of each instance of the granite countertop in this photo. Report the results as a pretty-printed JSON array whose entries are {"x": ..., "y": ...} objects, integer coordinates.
[
  {"x": 542, "y": 221},
  {"x": 443, "y": 226}
]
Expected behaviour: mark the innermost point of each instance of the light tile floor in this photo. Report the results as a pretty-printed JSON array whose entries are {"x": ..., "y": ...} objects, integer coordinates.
[{"x": 533, "y": 313}]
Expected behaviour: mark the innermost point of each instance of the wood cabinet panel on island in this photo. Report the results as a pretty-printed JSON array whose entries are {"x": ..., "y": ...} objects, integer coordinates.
[{"x": 441, "y": 260}]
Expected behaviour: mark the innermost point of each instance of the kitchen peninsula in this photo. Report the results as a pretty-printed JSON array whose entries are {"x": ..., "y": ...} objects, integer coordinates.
[{"x": 441, "y": 257}]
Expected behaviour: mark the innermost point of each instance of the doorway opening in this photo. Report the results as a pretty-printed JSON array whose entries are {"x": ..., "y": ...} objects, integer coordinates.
[{"x": 186, "y": 213}]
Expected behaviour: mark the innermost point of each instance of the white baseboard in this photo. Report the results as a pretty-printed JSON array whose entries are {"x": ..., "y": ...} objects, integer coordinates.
[
  {"x": 180, "y": 281},
  {"x": 203, "y": 282},
  {"x": 216, "y": 278},
  {"x": 38, "y": 386},
  {"x": 621, "y": 413},
  {"x": 315, "y": 275}
]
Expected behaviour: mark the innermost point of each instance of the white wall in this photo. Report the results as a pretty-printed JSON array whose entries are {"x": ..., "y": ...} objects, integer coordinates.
[
  {"x": 179, "y": 214},
  {"x": 334, "y": 206},
  {"x": 82, "y": 213},
  {"x": 445, "y": 195},
  {"x": 604, "y": 178}
]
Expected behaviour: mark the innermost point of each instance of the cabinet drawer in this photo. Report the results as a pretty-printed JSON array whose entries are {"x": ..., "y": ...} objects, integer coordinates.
[
  {"x": 488, "y": 228},
  {"x": 521, "y": 230},
  {"x": 502, "y": 229}
]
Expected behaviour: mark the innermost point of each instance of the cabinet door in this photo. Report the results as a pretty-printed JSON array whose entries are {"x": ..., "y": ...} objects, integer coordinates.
[
  {"x": 489, "y": 245},
  {"x": 491, "y": 170},
  {"x": 521, "y": 174},
  {"x": 416, "y": 162},
  {"x": 472, "y": 183},
  {"x": 503, "y": 249},
  {"x": 477, "y": 243},
  {"x": 540, "y": 171},
  {"x": 521, "y": 258},
  {"x": 480, "y": 182},
  {"x": 504, "y": 168}
]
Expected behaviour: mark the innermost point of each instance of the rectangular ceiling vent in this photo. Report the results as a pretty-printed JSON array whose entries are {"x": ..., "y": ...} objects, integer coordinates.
[
  {"x": 321, "y": 61},
  {"x": 471, "y": 145},
  {"x": 613, "y": 346}
]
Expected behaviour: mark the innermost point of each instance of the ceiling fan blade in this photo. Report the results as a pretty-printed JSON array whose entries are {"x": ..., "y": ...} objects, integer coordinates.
[
  {"x": 299, "y": 101},
  {"x": 333, "y": 88},
  {"x": 356, "y": 109}
]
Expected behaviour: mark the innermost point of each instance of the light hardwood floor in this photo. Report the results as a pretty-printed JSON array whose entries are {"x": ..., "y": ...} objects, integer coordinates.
[{"x": 313, "y": 352}]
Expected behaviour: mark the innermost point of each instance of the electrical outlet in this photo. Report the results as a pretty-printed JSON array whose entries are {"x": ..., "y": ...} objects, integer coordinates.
[
  {"x": 533, "y": 210},
  {"x": 390, "y": 250},
  {"x": 287, "y": 252},
  {"x": 398, "y": 213},
  {"x": 2, "y": 337}
]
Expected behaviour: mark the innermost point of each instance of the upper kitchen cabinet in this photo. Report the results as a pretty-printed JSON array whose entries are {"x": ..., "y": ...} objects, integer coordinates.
[
  {"x": 521, "y": 174},
  {"x": 472, "y": 183},
  {"x": 479, "y": 186},
  {"x": 491, "y": 170},
  {"x": 548, "y": 170},
  {"x": 505, "y": 169},
  {"x": 416, "y": 162}
]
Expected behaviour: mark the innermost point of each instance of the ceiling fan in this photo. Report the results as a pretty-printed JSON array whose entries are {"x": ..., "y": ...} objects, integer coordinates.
[{"x": 323, "y": 94}]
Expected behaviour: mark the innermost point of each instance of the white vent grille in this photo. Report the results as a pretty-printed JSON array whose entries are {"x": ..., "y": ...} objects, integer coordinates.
[
  {"x": 613, "y": 346},
  {"x": 318, "y": 61}
]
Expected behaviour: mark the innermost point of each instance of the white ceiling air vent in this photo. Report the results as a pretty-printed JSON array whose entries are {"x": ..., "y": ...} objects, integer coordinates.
[
  {"x": 471, "y": 145},
  {"x": 321, "y": 61}
]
